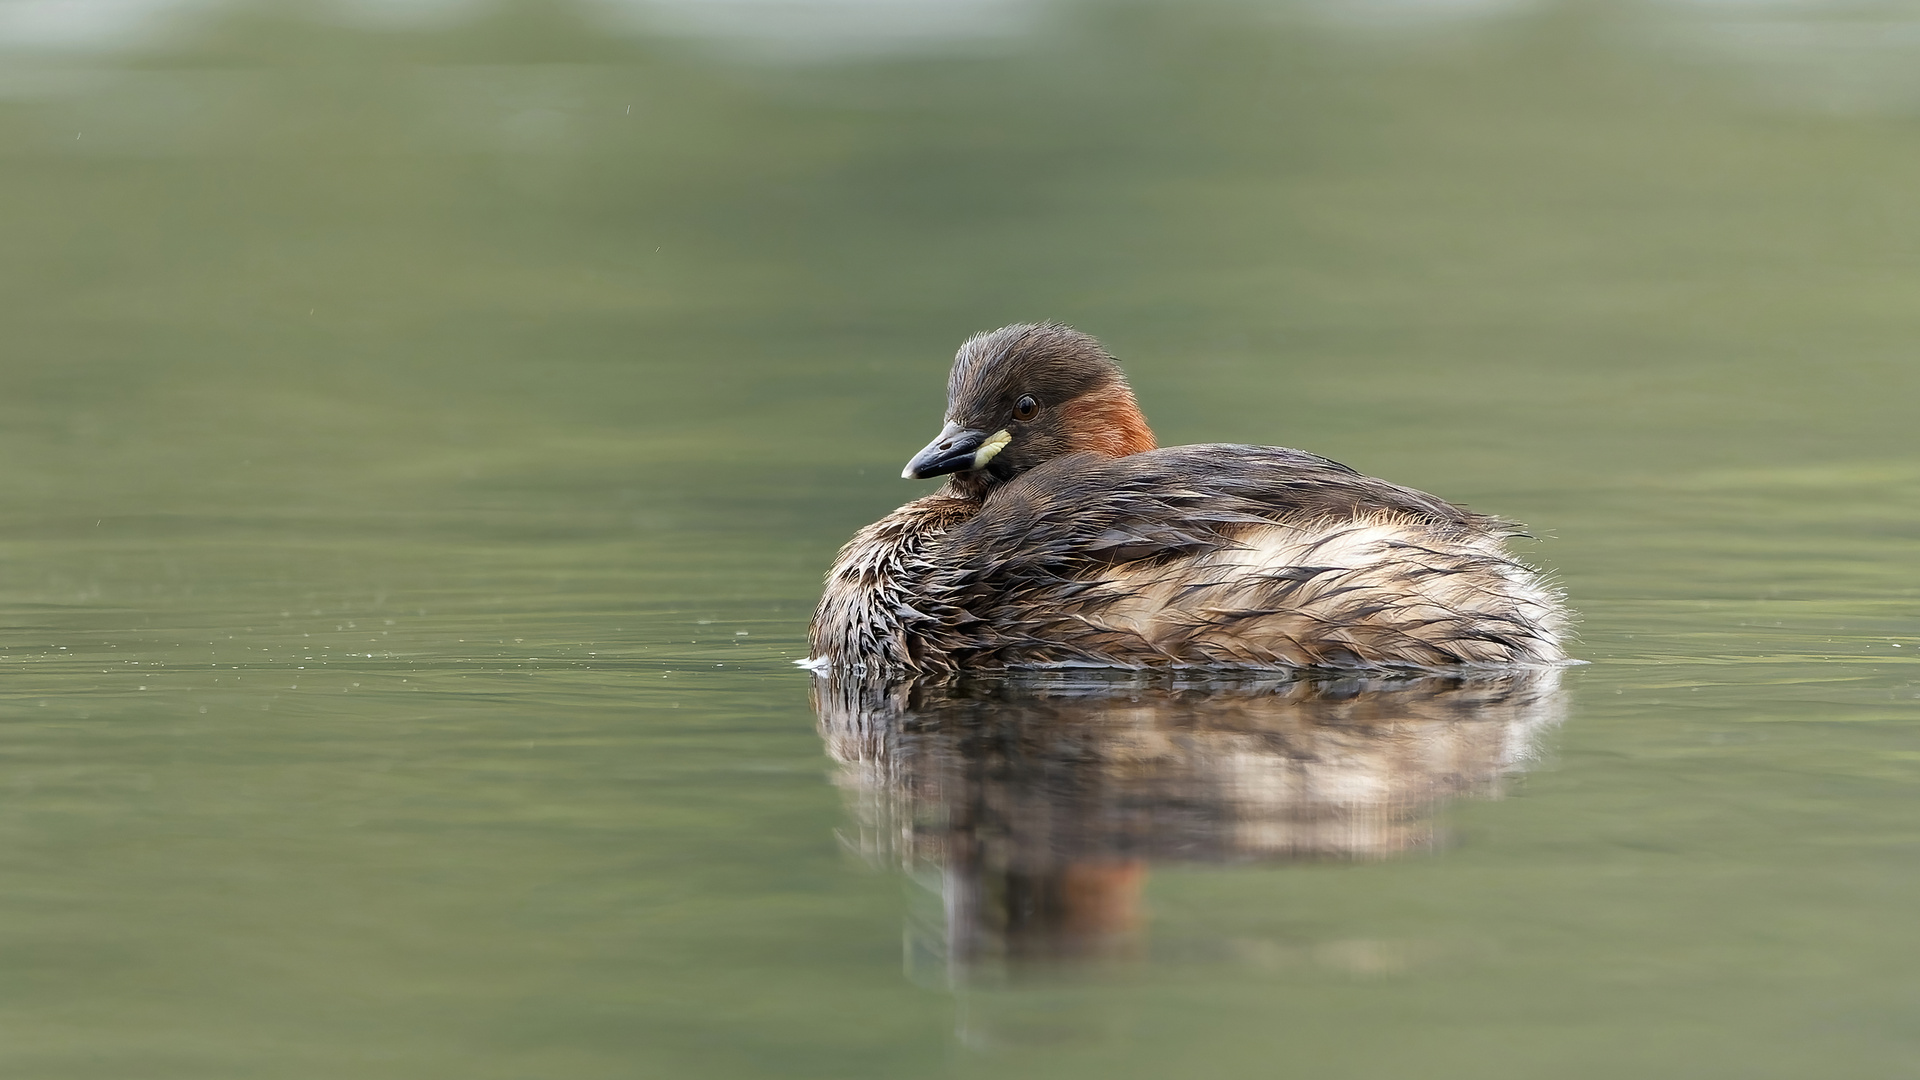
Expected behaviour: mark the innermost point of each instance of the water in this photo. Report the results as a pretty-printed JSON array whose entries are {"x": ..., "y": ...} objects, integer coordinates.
[{"x": 423, "y": 436}]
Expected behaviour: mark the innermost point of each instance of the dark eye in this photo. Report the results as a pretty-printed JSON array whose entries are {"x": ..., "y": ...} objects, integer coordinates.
[{"x": 1026, "y": 408}]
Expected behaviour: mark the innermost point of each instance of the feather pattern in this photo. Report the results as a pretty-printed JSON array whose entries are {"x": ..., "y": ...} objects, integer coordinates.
[
  {"x": 1212, "y": 555},
  {"x": 1064, "y": 537}
]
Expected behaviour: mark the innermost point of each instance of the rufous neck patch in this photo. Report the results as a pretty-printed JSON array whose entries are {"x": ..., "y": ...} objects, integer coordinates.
[{"x": 1108, "y": 421}]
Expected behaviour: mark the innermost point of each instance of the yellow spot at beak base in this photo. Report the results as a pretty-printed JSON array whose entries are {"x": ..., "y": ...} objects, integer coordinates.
[{"x": 995, "y": 443}]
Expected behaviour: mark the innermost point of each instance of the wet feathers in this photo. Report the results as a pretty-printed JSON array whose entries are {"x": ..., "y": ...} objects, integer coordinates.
[{"x": 1209, "y": 556}]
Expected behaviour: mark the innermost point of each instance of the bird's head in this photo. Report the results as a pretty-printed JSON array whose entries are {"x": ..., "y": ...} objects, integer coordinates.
[{"x": 1023, "y": 395}]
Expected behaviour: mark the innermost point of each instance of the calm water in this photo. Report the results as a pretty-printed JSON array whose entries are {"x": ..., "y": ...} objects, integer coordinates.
[{"x": 423, "y": 430}]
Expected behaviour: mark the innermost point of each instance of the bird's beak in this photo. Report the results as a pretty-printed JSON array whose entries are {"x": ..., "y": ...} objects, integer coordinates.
[{"x": 955, "y": 449}]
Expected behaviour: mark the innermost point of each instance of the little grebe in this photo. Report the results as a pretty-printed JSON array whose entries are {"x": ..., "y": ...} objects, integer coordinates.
[{"x": 1063, "y": 537}]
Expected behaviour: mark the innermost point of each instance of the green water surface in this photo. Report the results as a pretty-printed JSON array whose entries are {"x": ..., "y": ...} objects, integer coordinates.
[{"x": 421, "y": 439}]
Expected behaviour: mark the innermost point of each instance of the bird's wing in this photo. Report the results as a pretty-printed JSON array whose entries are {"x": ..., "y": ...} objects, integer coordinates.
[{"x": 1220, "y": 554}]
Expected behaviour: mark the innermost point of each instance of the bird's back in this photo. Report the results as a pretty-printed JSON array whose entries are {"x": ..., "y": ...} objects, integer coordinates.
[{"x": 1225, "y": 555}]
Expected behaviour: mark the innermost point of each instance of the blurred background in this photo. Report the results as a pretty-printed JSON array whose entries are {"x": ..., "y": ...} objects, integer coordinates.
[{"x": 423, "y": 424}]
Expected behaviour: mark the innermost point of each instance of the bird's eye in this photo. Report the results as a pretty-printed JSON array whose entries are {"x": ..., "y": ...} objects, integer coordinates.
[{"x": 1026, "y": 408}]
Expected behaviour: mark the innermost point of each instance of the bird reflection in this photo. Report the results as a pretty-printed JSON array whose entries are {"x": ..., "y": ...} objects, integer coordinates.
[{"x": 1033, "y": 805}]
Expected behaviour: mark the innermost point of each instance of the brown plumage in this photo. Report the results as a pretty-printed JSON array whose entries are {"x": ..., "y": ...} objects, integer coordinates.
[{"x": 1063, "y": 537}]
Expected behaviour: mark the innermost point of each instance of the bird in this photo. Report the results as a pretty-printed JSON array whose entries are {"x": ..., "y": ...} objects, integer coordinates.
[{"x": 1064, "y": 536}]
